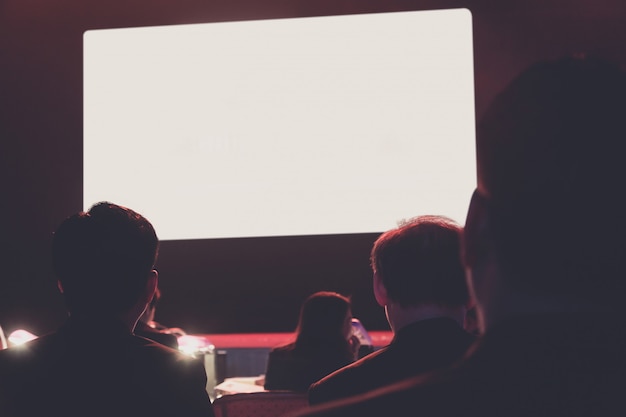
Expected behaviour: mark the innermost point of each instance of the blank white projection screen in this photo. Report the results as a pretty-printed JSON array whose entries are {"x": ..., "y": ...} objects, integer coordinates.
[{"x": 305, "y": 126}]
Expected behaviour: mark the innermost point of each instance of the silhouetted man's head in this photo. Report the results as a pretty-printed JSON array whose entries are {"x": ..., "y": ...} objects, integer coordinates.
[
  {"x": 551, "y": 178},
  {"x": 419, "y": 263},
  {"x": 103, "y": 259}
]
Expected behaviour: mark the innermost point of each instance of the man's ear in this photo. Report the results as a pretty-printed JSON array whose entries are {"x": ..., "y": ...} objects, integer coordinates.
[
  {"x": 476, "y": 232},
  {"x": 60, "y": 286},
  {"x": 151, "y": 285},
  {"x": 380, "y": 292}
]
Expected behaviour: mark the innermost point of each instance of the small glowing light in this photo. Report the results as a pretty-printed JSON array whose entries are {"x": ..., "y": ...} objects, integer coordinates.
[
  {"x": 19, "y": 337},
  {"x": 192, "y": 345}
]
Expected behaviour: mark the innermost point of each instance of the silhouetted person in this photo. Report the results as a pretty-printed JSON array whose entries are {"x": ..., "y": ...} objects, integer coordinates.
[
  {"x": 324, "y": 343},
  {"x": 94, "y": 365},
  {"x": 420, "y": 281},
  {"x": 545, "y": 251},
  {"x": 147, "y": 327}
]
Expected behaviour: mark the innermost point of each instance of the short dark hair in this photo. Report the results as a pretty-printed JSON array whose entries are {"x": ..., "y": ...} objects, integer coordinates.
[
  {"x": 551, "y": 167},
  {"x": 419, "y": 262},
  {"x": 103, "y": 258}
]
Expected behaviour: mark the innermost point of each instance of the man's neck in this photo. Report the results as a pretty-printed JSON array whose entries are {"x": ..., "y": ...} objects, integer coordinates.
[
  {"x": 128, "y": 319},
  {"x": 400, "y": 317}
]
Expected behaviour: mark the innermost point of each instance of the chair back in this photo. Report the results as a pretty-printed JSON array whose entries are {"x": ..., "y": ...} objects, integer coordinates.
[{"x": 259, "y": 404}]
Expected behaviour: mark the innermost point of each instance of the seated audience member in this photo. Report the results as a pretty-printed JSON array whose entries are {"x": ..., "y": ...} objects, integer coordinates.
[
  {"x": 150, "y": 329},
  {"x": 94, "y": 365},
  {"x": 420, "y": 281},
  {"x": 545, "y": 251},
  {"x": 324, "y": 343}
]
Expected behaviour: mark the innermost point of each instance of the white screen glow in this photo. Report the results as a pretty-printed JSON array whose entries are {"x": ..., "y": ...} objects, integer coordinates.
[{"x": 305, "y": 126}]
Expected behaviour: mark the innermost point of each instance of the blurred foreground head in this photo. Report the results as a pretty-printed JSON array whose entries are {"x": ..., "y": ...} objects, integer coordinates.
[
  {"x": 551, "y": 194},
  {"x": 103, "y": 259}
]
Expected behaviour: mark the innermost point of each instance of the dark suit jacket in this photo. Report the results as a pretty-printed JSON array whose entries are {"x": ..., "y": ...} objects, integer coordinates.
[
  {"x": 292, "y": 369},
  {"x": 96, "y": 367},
  {"x": 545, "y": 365},
  {"x": 416, "y": 348}
]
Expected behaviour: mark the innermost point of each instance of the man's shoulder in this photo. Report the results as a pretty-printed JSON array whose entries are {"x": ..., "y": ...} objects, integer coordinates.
[
  {"x": 165, "y": 378},
  {"x": 38, "y": 350},
  {"x": 123, "y": 370},
  {"x": 418, "y": 348},
  {"x": 353, "y": 378},
  {"x": 423, "y": 394},
  {"x": 158, "y": 357},
  {"x": 167, "y": 339}
]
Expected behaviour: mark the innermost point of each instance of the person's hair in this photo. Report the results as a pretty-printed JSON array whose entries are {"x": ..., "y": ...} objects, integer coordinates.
[
  {"x": 551, "y": 169},
  {"x": 103, "y": 258},
  {"x": 419, "y": 262},
  {"x": 322, "y": 322}
]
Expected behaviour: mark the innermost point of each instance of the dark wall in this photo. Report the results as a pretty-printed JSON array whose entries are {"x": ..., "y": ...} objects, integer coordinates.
[{"x": 224, "y": 285}]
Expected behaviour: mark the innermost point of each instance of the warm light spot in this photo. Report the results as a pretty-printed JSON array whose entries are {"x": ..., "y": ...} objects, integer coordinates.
[
  {"x": 192, "y": 345},
  {"x": 19, "y": 337}
]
